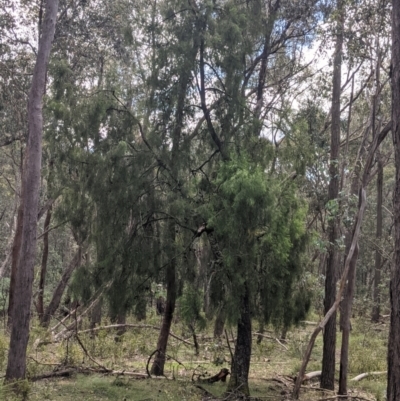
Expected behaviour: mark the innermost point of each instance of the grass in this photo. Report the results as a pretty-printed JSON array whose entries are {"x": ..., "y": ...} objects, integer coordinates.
[{"x": 273, "y": 365}]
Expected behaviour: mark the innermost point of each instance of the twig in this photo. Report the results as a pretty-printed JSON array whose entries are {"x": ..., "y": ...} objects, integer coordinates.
[
  {"x": 61, "y": 322},
  {"x": 229, "y": 345},
  {"x": 283, "y": 345},
  {"x": 43, "y": 363},
  {"x": 88, "y": 355}
]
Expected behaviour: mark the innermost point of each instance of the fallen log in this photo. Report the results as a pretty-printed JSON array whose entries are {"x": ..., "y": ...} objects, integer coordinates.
[
  {"x": 309, "y": 376},
  {"x": 71, "y": 370},
  {"x": 312, "y": 375},
  {"x": 50, "y": 375},
  {"x": 364, "y": 375}
]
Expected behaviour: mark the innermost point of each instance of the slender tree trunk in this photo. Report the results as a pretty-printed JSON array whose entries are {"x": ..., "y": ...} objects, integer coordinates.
[
  {"x": 356, "y": 233},
  {"x": 378, "y": 256},
  {"x": 59, "y": 291},
  {"x": 239, "y": 380},
  {"x": 347, "y": 302},
  {"x": 185, "y": 77},
  {"x": 393, "y": 387},
  {"x": 262, "y": 75},
  {"x": 16, "y": 366},
  {"x": 345, "y": 320},
  {"x": 43, "y": 269},
  {"x": 329, "y": 347},
  {"x": 159, "y": 360},
  {"x": 14, "y": 261}
]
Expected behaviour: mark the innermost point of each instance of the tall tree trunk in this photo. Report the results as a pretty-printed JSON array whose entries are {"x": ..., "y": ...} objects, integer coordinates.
[
  {"x": 43, "y": 269},
  {"x": 159, "y": 360},
  {"x": 59, "y": 291},
  {"x": 239, "y": 380},
  {"x": 347, "y": 302},
  {"x": 329, "y": 348},
  {"x": 378, "y": 256},
  {"x": 393, "y": 386},
  {"x": 356, "y": 233},
  {"x": 16, "y": 366}
]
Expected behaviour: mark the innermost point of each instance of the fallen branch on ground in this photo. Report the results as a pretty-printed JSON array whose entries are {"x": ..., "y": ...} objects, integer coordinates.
[
  {"x": 135, "y": 326},
  {"x": 344, "y": 397},
  {"x": 270, "y": 338},
  {"x": 364, "y": 375},
  {"x": 69, "y": 371},
  {"x": 223, "y": 373},
  {"x": 311, "y": 375}
]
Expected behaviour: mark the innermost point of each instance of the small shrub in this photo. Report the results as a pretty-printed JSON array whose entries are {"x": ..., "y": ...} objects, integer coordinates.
[{"x": 361, "y": 361}]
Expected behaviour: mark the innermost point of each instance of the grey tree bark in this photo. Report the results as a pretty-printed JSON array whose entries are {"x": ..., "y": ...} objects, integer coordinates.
[
  {"x": 347, "y": 302},
  {"x": 379, "y": 230},
  {"x": 16, "y": 367},
  {"x": 43, "y": 270},
  {"x": 239, "y": 380},
  {"x": 393, "y": 385},
  {"x": 329, "y": 347}
]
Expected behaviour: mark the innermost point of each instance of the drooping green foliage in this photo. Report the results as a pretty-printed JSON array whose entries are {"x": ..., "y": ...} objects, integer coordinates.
[{"x": 260, "y": 224}]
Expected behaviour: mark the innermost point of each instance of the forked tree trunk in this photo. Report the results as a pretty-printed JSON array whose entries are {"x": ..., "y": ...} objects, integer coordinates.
[
  {"x": 239, "y": 380},
  {"x": 16, "y": 366},
  {"x": 393, "y": 387},
  {"x": 43, "y": 270},
  {"x": 329, "y": 347}
]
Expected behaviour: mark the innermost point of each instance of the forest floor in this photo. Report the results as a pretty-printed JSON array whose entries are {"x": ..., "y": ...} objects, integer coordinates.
[{"x": 274, "y": 364}]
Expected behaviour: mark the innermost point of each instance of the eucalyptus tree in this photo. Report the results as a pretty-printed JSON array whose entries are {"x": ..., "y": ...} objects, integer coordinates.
[
  {"x": 329, "y": 348},
  {"x": 393, "y": 388},
  {"x": 16, "y": 59},
  {"x": 30, "y": 192},
  {"x": 375, "y": 120}
]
